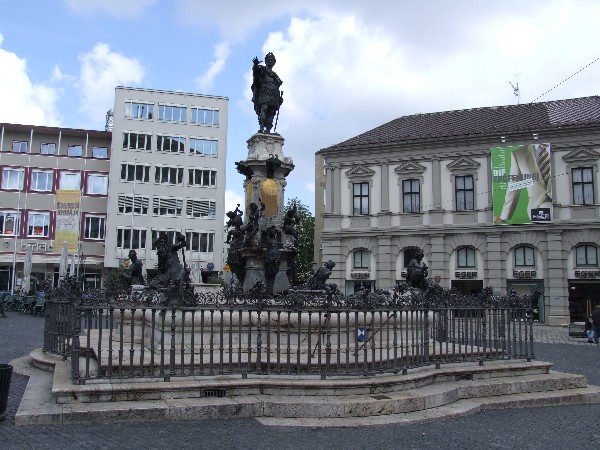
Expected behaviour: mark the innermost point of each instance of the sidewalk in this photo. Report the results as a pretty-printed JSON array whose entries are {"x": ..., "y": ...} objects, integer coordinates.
[{"x": 546, "y": 334}]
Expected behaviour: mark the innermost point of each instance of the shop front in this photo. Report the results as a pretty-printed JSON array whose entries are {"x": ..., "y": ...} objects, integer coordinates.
[
  {"x": 584, "y": 294},
  {"x": 359, "y": 281},
  {"x": 466, "y": 281},
  {"x": 525, "y": 282}
]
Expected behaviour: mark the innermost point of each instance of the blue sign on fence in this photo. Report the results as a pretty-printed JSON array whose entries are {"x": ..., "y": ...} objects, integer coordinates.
[{"x": 361, "y": 334}]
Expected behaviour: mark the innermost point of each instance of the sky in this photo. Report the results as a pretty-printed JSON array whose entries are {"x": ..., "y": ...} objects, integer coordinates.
[{"x": 347, "y": 65}]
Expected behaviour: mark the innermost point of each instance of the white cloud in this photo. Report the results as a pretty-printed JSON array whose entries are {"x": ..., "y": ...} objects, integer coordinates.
[
  {"x": 117, "y": 8},
  {"x": 206, "y": 80},
  {"x": 101, "y": 71},
  {"x": 24, "y": 101},
  {"x": 233, "y": 198}
]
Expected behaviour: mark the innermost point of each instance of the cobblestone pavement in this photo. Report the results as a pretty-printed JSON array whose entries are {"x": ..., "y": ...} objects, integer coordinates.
[{"x": 561, "y": 427}]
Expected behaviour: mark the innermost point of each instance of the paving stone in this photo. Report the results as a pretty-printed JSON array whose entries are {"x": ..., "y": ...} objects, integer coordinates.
[{"x": 567, "y": 426}]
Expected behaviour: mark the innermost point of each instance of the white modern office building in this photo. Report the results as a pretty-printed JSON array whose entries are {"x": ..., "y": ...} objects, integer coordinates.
[{"x": 167, "y": 174}]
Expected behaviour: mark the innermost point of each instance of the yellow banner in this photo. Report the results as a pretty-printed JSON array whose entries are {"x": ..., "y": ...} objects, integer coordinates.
[{"x": 67, "y": 218}]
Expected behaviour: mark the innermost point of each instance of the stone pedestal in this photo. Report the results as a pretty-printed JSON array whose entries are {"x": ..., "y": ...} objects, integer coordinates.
[{"x": 267, "y": 251}]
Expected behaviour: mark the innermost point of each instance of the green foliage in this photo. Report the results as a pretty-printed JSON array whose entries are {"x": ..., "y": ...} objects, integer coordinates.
[
  {"x": 116, "y": 282},
  {"x": 305, "y": 229}
]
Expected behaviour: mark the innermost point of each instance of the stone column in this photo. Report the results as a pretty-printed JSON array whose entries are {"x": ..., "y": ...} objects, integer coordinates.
[
  {"x": 337, "y": 190},
  {"x": 439, "y": 260},
  {"x": 328, "y": 189},
  {"x": 385, "y": 187},
  {"x": 494, "y": 262},
  {"x": 385, "y": 263},
  {"x": 556, "y": 298}
]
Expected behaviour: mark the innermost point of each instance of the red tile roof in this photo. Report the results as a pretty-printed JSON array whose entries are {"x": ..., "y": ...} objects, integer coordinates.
[{"x": 530, "y": 117}]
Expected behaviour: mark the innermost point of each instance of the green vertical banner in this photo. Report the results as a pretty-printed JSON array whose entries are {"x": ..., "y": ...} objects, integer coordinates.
[{"x": 521, "y": 184}]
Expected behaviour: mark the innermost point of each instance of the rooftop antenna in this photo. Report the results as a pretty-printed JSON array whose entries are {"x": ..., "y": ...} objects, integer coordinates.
[
  {"x": 516, "y": 92},
  {"x": 515, "y": 88}
]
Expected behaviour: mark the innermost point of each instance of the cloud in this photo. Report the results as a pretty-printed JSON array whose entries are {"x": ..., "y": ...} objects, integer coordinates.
[
  {"x": 24, "y": 101},
  {"x": 233, "y": 198},
  {"x": 101, "y": 71},
  {"x": 206, "y": 80},
  {"x": 117, "y": 8}
]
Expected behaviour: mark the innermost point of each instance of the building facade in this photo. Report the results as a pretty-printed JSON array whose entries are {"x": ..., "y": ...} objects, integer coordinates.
[
  {"x": 167, "y": 174},
  {"x": 455, "y": 185},
  {"x": 37, "y": 164}
]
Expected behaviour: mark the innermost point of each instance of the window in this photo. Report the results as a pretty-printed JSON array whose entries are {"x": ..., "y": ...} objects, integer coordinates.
[
  {"x": 69, "y": 181},
  {"x": 139, "y": 110},
  {"x": 172, "y": 113},
  {"x": 586, "y": 255},
  {"x": 465, "y": 193},
  {"x": 41, "y": 181},
  {"x": 207, "y": 117},
  {"x": 127, "y": 204},
  {"x": 128, "y": 240},
  {"x": 200, "y": 242},
  {"x": 48, "y": 149},
  {"x": 97, "y": 184},
  {"x": 524, "y": 256},
  {"x": 202, "y": 177},
  {"x": 360, "y": 198},
  {"x": 411, "y": 199},
  {"x": 167, "y": 206},
  {"x": 12, "y": 178},
  {"x": 583, "y": 186},
  {"x": 204, "y": 147},
  {"x": 137, "y": 141},
  {"x": 74, "y": 150},
  {"x": 100, "y": 152},
  {"x": 94, "y": 227},
  {"x": 38, "y": 224},
  {"x": 172, "y": 144},
  {"x": 168, "y": 175},
  {"x": 135, "y": 172},
  {"x": 465, "y": 258},
  {"x": 19, "y": 146},
  {"x": 9, "y": 222},
  {"x": 157, "y": 233},
  {"x": 200, "y": 208},
  {"x": 361, "y": 259}
]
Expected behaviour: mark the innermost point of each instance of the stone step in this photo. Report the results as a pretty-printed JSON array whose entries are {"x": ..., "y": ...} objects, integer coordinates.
[
  {"x": 429, "y": 402},
  {"x": 590, "y": 394}
]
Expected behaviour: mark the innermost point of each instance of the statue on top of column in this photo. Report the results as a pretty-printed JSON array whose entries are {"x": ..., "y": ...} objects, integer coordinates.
[{"x": 265, "y": 93}]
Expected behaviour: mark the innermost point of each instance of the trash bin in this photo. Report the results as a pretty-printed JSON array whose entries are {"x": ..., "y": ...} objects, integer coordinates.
[{"x": 5, "y": 375}]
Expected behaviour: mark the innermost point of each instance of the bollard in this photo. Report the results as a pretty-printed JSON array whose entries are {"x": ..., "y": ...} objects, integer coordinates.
[{"x": 5, "y": 376}]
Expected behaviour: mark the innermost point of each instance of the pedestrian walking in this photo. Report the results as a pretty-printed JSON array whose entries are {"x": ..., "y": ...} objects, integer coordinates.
[{"x": 596, "y": 322}]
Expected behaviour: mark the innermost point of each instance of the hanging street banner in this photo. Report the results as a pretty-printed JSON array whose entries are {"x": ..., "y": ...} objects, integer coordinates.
[
  {"x": 67, "y": 218},
  {"x": 521, "y": 184}
]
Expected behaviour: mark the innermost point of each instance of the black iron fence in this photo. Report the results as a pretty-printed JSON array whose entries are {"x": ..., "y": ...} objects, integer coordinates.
[{"x": 304, "y": 332}]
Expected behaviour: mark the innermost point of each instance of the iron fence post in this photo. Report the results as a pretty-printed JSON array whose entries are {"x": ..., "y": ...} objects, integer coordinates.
[{"x": 75, "y": 345}]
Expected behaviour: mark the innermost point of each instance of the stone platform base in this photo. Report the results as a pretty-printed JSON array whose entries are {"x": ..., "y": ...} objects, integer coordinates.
[{"x": 421, "y": 395}]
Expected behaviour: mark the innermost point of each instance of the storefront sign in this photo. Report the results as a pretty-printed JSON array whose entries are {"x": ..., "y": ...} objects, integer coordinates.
[
  {"x": 360, "y": 275},
  {"x": 587, "y": 273},
  {"x": 524, "y": 273},
  {"x": 36, "y": 247},
  {"x": 465, "y": 275}
]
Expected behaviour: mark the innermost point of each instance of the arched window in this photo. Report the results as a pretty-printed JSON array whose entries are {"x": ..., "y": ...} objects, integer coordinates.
[
  {"x": 524, "y": 256},
  {"x": 362, "y": 259},
  {"x": 465, "y": 258},
  {"x": 586, "y": 255}
]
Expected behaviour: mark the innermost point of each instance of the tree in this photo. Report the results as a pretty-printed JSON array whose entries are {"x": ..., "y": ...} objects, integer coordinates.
[{"x": 305, "y": 229}]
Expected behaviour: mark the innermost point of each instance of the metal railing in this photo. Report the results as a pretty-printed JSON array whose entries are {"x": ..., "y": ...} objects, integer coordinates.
[{"x": 303, "y": 333}]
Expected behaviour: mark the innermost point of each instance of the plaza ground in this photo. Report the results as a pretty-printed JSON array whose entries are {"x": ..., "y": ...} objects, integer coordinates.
[{"x": 560, "y": 427}]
